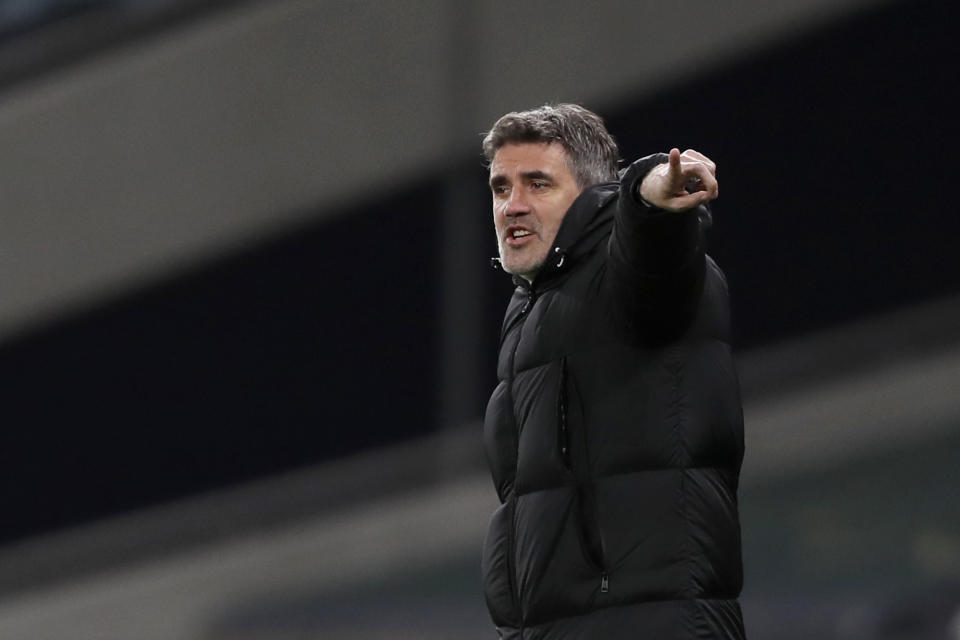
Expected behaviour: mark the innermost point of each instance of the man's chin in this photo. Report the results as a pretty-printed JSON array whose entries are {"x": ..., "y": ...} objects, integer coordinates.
[{"x": 524, "y": 270}]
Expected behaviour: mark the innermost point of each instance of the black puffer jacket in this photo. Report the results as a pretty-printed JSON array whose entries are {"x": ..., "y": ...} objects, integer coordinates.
[{"x": 615, "y": 434}]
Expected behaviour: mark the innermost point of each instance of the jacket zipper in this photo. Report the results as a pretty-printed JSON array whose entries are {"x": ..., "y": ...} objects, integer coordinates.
[
  {"x": 594, "y": 556},
  {"x": 511, "y": 563}
]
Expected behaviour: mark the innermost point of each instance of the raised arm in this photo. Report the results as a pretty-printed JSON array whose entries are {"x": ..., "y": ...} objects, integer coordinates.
[{"x": 656, "y": 250}]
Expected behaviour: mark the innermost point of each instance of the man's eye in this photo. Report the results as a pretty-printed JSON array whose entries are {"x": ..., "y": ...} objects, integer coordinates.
[
  {"x": 539, "y": 184},
  {"x": 500, "y": 190}
]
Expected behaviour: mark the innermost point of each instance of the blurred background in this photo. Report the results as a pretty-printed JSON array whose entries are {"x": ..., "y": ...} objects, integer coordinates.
[{"x": 248, "y": 326}]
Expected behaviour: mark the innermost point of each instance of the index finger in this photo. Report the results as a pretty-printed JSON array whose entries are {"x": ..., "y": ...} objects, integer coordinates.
[{"x": 675, "y": 169}]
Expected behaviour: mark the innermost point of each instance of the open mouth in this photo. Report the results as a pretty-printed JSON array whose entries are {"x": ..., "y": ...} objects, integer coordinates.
[{"x": 517, "y": 236}]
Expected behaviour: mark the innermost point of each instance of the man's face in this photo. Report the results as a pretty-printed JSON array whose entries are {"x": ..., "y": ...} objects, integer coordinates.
[{"x": 532, "y": 189}]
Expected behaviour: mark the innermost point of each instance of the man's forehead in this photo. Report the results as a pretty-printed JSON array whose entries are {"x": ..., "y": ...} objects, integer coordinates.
[{"x": 528, "y": 156}]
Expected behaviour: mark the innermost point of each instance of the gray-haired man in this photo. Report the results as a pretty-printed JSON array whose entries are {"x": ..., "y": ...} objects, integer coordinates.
[{"x": 615, "y": 434}]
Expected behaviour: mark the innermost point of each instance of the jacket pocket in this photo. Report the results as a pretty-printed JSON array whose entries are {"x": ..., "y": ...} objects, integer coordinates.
[{"x": 563, "y": 430}]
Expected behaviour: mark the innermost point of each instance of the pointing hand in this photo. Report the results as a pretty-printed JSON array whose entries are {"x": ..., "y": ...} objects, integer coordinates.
[{"x": 686, "y": 181}]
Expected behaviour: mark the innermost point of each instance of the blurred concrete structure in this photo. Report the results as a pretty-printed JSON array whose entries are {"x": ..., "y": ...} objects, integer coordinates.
[
  {"x": 223, "y": 130},
  {"x": 395, "y": 554},
  {"x": 233, "y": 128}
]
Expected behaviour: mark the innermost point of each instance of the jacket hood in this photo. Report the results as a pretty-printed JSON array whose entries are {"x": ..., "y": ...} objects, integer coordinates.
[{"x": 586, "y": 222}]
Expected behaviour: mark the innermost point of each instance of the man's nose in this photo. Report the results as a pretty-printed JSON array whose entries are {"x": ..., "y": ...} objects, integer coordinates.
[{"x": 517, "y": 204}]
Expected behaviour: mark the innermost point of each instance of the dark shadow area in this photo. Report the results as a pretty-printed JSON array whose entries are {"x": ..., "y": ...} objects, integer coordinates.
[
  {"x": 835, "y": 157},
  {"x": 307, "y": 348}
]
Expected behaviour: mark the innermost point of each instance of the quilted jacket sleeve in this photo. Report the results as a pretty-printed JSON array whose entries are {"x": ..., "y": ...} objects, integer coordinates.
[{"x": 656, "y": 260}]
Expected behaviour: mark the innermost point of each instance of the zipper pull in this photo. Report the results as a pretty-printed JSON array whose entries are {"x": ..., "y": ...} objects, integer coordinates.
[
  {"x": 529, "y": 303},
  {"x": 604, "y": 583}
]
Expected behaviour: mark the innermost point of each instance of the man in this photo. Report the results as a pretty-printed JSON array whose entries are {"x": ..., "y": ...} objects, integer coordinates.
[{"x": 615, "y": 434}]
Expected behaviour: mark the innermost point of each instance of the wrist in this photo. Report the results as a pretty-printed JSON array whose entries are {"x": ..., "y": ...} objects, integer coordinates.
[
  {"x": 638, "y": 196},
  {"x": 633, "y": 178}
]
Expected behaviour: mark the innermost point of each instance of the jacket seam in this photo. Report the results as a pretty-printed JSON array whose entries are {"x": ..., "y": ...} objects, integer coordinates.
[
  {"x": 603, "y": 476},
  {"x": 616, "y": 605}
]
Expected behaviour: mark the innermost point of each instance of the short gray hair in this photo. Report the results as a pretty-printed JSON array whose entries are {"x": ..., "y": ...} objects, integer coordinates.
[{"x": 591, "y": 150}]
